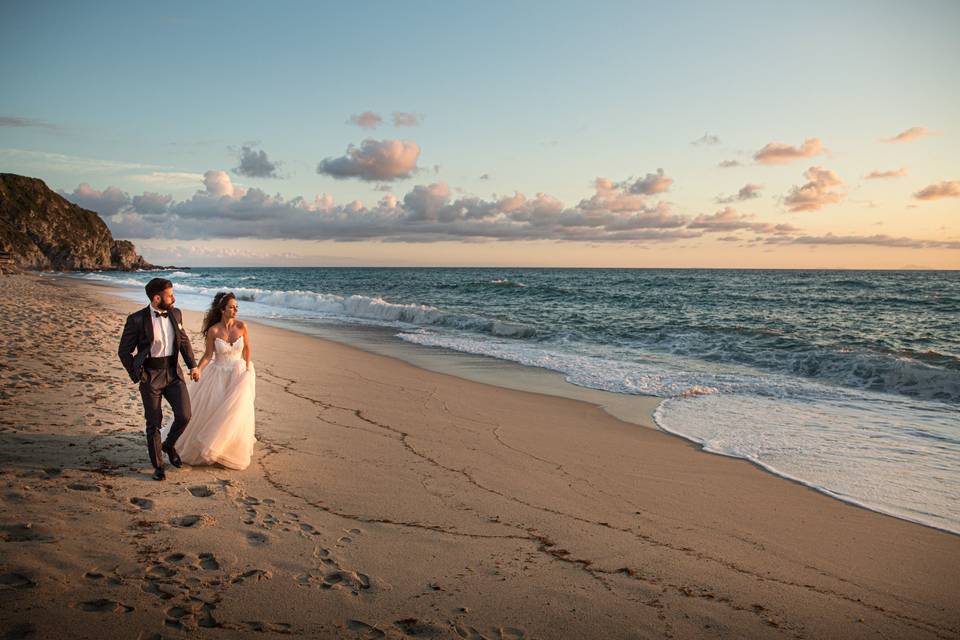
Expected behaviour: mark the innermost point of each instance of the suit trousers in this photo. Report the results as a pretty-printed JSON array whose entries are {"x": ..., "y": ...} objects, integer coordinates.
[{"x": 156, "y": 385}]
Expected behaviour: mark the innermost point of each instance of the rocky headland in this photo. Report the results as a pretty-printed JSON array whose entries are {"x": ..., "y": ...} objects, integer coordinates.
[{"x": 40, "y": 230}]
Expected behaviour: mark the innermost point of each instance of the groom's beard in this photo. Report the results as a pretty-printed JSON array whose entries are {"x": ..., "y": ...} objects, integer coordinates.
[{"x": 163, "y": 306}]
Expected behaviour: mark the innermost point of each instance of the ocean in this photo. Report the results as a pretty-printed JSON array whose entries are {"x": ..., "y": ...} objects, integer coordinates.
[{"x": 846, "y": 381}]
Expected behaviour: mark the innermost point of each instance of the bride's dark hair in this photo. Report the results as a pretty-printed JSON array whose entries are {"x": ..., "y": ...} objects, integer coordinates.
[{"x": 215, "y": 312}]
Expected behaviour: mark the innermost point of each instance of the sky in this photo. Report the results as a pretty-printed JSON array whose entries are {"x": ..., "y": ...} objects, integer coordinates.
[{"x": 601, "y": 134}]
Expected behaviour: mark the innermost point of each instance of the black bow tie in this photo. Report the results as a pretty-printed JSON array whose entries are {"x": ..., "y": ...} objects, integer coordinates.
[{"x": 160, "y": 314}]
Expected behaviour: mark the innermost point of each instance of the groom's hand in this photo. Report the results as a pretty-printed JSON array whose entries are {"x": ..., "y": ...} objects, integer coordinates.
[{"x": 195, "y": 374}]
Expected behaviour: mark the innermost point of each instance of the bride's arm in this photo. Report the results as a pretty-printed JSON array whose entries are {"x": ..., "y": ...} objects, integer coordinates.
[
  {"x": 246, "y": 345},
  {"x": 208, "y": 349}
]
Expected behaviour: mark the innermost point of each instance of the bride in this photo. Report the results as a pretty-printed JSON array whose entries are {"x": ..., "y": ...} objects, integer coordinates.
[{"x": 222, "y": 427}]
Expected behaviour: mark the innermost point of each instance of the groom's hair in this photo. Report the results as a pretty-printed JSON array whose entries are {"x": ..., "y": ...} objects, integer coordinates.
[{"x": 156, "y": 286}]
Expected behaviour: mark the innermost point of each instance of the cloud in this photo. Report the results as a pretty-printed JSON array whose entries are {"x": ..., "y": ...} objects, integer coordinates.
[
  {"x": 729, "y": 219},
  {"x": 912, "y": 133},
  {"x": 366, "y": 120},
  {"x": 430, "y": 213},
  {"x": 781, "y": 153},
  {"x": 107, "y": 202},
  {"x": 19, "y": 123},
  {"x": 706, "y": 140},
  {"x": 485, "y": 176},
  {"x": 44, "y": 161},
  {"x": 945, "y": 189},
  {"x": 168, "y": 178},
  {"x": 151, "y": 203},
  {"x": 218, "y": 184},
  {"x": 728, "y": 164},
  {"x": 427, "y": 213},
  {"x": 381, "y": 160},
  {"x": 878, "y": 240},
  {"x": 652, "y": 183},
  {"x": 406, "y": 119},
  {"x": 195, "y": 254},
  {"x": 256, "y": 164},
  {"x": 876, "y": 174},
  {"x": 747, "y": 192},
  {"x": 817, "y": 192}
]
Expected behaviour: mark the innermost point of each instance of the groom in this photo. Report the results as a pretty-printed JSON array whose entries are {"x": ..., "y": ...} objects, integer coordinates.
[{"x": 156, "y": 334}]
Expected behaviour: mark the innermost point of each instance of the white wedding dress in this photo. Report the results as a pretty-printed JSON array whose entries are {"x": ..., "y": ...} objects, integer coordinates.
[{"x": 221, "y": 430}]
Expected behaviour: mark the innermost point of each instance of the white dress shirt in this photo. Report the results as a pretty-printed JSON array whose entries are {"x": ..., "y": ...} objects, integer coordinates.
[{"x": 163, "y": 338}]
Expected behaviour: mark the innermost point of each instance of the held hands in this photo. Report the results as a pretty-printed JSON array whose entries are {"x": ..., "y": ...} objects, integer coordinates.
[{"x": 195, "y": 374}]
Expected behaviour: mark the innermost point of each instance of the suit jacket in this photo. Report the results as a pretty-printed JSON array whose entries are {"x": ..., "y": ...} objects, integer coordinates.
[{"x": 138, "y": 336}]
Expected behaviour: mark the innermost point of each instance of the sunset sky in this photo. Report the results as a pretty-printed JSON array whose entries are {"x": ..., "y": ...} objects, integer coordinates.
[{"x": 695, "y": 134}]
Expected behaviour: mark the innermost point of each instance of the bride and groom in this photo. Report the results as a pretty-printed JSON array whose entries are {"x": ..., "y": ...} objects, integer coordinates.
[{"x": 218, "y": 406}]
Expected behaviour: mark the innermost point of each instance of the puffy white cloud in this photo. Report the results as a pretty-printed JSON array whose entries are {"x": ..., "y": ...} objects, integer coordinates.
[
  {"x": 151, "y": 203},
  {"x": 426, "y": 213},
  {"x": 652, "y": 183},
  {"x": 780, "y": 153},
  {"x": 383, "y": 160},
  {"x": 107, "y": 202},
  {"x": 817, "y": 192},
  {"x": 218, "y": 184},
  {"x": 729, "y": 219},
  {"x": 946, "y": 189}
]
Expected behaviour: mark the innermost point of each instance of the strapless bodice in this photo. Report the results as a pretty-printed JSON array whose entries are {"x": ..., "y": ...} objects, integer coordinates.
[{"x": 226, "y": 351}]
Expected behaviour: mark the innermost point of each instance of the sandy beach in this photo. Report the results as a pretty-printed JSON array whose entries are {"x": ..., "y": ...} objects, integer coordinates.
[{"x": 385, "y": 500}]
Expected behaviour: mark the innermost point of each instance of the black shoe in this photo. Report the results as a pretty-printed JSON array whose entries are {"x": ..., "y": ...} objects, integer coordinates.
[
  {"x": 159, "y": 474},
  {"x": 173, "y": 455}
]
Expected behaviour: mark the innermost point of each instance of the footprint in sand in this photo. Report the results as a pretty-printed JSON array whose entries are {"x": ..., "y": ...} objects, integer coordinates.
[
  {"x": 25, "y": 532},
  {"x": 252, "y": 574},
  {"x": 267, "y": 627},
  {"x": 82, "y": 486},
  {"x": 351, "y": 580},
  {"x": 15, "y": 581},
  {"x": 162, "y": 591},
  {"x": 257, "y": 538},
  {"x": 208, "y": 562},
  {"x": 191, "y": 521},
  {"x": 419, "y": 628},
  {"x": 201, "y": 491},
  {"x": 103, "y": 606},
  {"x": 160, "y": 572},
  {"x": 175, "y": 558},
  {"x": 368, "y": 630},
  {"x": 143, "y": 503}
]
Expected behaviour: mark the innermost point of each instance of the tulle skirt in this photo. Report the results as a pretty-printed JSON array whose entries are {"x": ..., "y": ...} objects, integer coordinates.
[{"x": 221, "y": 430}]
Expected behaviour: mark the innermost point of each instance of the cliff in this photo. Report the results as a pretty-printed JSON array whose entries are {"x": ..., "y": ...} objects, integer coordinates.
[{"x": 43, "y": 231}]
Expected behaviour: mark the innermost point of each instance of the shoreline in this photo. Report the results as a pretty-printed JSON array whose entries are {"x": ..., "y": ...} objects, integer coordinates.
[
  {"x": 386, "y": 500},
  {"x": 637, "y": 409}
]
